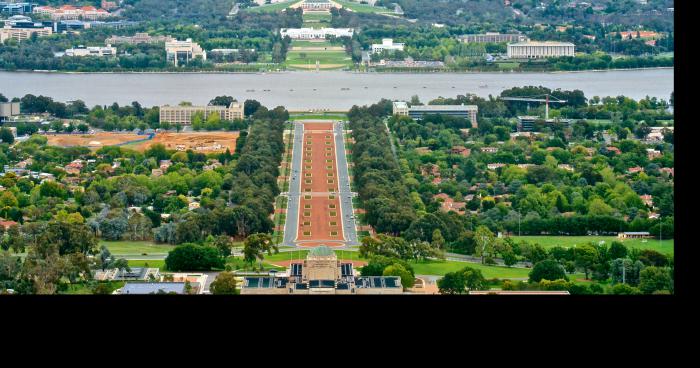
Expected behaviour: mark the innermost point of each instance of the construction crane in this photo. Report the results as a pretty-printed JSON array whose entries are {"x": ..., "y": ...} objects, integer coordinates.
[{"x": 546, "y": 101}]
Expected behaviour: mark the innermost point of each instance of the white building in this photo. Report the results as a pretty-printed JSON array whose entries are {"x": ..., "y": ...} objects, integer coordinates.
[
  {"x": 315, "y": 34},
  {"x": 92, "y": 51},
  {"x": 183, "y": 50},
  {"x": 387, "y": 44},
  {"x": 536, "y": 50}
]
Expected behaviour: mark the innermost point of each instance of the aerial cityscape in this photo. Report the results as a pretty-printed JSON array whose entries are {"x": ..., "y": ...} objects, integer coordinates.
[{"x": 337, "y": 147}]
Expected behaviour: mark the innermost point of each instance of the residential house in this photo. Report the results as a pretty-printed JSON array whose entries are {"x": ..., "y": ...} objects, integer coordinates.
[
  {"x": 634, "y": 170},
  {"x": 648, "y": 200},
  {"x": 461, "y": 150},
  {"x": 489, "y": 149},
  {"x": 652, "y": 153},
  {"x": 495, "y": 166}
]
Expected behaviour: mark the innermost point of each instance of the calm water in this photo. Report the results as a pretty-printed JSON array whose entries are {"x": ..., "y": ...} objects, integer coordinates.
[{"x": 322, "y": 90}]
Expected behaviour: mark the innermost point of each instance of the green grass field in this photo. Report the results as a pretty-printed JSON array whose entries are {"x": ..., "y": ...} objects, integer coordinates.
[
  {"x": 664, "y": 246},
  {"x": 507, "y": 66},
  {"x": 271, "y": 7},
  {"x": 153, "y": 263},
  {"x": 363, "y": 8},
  {"x": 136, "y": 247},
  {"x": 85, "y": 289},
  {"x": 327, "y": 59},
  {"x": 304, "y": 43}
]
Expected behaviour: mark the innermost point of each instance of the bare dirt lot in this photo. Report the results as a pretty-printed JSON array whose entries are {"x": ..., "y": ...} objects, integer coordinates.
[
  {"x": 205, "y": 142},
  {"x": 196, "y": 141}
]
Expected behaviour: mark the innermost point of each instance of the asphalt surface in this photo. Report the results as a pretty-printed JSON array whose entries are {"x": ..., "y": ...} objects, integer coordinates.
[
  {"x": 291, "y": 224},
  {"x": 345, "y": 194}
]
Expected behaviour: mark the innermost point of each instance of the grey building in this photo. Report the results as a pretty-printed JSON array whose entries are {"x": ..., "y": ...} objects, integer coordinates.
[{"x": 418, "y": 111}]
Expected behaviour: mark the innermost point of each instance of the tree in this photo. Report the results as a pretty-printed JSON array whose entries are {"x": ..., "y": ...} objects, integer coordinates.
[
  {"x": 457, "y": 282},
  {"x": 225, "y": 284},
  {"x": 224, "y": 244},
  {"x": 548, "y": 269},
  {"x": 407, "y": 278},
  {"x": 624, "y": 289},
  {"x": 452, "y": 283},
  {"x": 484, "y": 239},
  {"x": 586, "y": 257},
  {"x": 256, "y": 245},
  {"x": 653, "y": 279},
  {"x": 6, "y": 136},
  {"x": 192, "y": 257}
]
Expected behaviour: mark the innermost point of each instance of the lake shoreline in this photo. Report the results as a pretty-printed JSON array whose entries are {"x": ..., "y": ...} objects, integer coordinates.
[{"x": 59, "y": 72}]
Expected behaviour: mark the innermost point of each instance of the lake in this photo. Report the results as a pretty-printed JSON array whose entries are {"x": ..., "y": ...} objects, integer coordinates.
[{"x": 334, "y": 90}]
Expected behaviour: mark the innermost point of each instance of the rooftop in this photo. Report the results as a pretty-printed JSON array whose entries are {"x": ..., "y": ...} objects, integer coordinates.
[
  {"x": 153, "y": 288},
  {"x": 443, "y": 107}
]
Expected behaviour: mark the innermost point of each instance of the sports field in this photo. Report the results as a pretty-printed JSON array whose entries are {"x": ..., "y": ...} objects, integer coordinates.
[{"x": 663, "y": 246}]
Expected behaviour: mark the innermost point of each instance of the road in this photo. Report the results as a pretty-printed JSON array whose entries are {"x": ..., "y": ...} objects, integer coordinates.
[
  {"x": 344, "y": 191},
  {"x": 291, "y": 224}
]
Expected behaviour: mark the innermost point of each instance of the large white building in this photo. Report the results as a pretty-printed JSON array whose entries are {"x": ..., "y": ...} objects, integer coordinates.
[
  {"x": 493, "y": 37},
  {"x": 92, "y": 51},
  {"x": 538, "y": 50},
  {"x": 387, "y": 44},
  {"x": 315, "y": 34},
  {"x": 418, "y": 111},
  {"x": 183, "y": 50}
]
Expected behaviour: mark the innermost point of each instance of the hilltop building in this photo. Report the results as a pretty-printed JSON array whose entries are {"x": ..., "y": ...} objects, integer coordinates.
[
  {"x": 418, "y": 111},
  {"x": 72, "y": 12},
  {"x": 323, "y": 6},
  {"x": 183, "y": 114},
  {"x": 538, "y": 50},
  {"x": 321, "y": 273},
  {"x": 13, "y": 8},
  {"x": 187, "y": 50}
]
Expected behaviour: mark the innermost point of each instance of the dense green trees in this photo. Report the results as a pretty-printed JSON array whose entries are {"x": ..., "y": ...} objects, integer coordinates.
[
  {"x": 548, "y": 269},
  {"x": 193, "y": 257},
  {"x": 461, "y": 281}
]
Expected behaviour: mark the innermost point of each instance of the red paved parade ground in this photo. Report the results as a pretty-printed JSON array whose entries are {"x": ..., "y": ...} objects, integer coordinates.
[{"x": 320, "y": 219}]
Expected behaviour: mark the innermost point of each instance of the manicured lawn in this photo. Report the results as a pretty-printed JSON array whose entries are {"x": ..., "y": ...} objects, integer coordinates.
[
  {"x": 663, "y": 246},
  {"x": 329, "y": 58},
  {"x": 153, "y": 263},
  {"x": 136, "y": 247},
  {"x": 440, "y": 268},
  {"x": 303, "y": 43},
  {"x": 363, "y": 8},
  {"x": 271, "y": 7}
]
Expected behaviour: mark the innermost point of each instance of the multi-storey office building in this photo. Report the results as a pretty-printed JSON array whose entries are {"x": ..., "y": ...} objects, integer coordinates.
[
  {"x": 184, "y": 114},
  {"x": 493, "y": 37},
  {"x": 418, "y": 111}
]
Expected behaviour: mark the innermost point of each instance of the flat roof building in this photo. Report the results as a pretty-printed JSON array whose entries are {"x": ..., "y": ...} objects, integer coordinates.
[
  {"x": 321, "y": 273},
  {"x": 315, "y": 33},
  {"x": 144, "y": 288},
  {"x": 98, "y": 51},
  {"x": 186, "y": 50},
  {"x": 140, "y": 37},
  {"x": 418, "y": 111},
  {"x": 538, "y": 50},
  {"x": 22, "y": 34},
  {"x": 493, "y": 37},
  {"x": 183, "y": 114},
  {"x": 8, "y": 109},
  {"x": 387, "y": 44}
]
